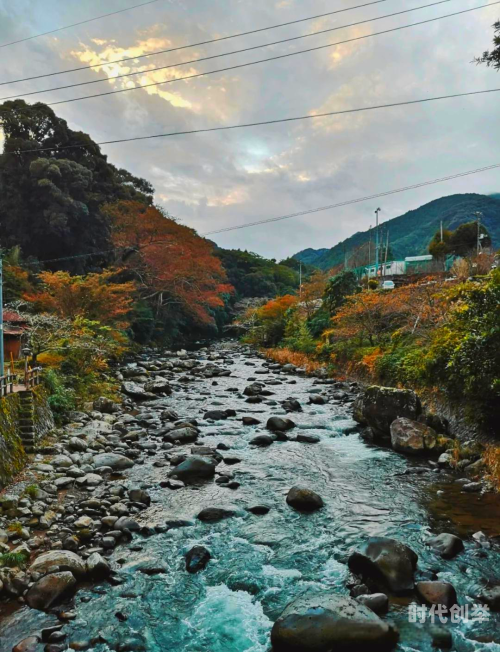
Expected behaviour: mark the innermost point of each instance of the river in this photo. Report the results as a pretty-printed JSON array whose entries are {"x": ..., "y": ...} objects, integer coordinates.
[{"x": 260, "y": 563}]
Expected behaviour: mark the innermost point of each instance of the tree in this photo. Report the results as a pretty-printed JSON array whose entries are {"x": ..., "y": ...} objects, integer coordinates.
[
  {"x": 440, "y": 246},
  {"x": 463, "y": 241},
  {"x": 50, "y": 202},
  {"x": 492, "y": 57},
  {"x": 338, "y": 288},
  {"x": 269, "y": 321},
  {"x": 173, "y": 266},
  {"x": 95, "y": 296},
  {"x": 313, "y": 291}
]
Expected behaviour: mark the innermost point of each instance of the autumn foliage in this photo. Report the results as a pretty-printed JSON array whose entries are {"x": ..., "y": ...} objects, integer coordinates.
[
  {"x": 95, "y": 297},
  {"x": 173, "y": 266}
]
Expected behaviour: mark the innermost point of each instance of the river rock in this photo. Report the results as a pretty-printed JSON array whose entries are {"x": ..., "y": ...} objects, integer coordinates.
[
  {"x": 139, "y": 496},
  {"x": 277, "y": 424},
  {"x": 214, "y": 514},
  {"x": 77, "y": 445},
  {"x": 326, "y": 622},
  {"x": 491, "y": 597},
  {"x": 304, "y": 500},
  {"x": 97, "y": 566},
  {"x": 137, "y": 391},
  {"x": 378, "y": 407},
  {"x": 447, "y": 545},
  {"x": 29, "y": 644},
  {"x": 49, "y": 589},
  {"x": 197, "y": 559},
  {"x": 387, "y": 562},
  {"x": 126, "y": 523},
  {"x": 187, "y": 435},
  {"x": 262, "y": 441},
  {"x": 113, "y": 460},
  {"x": 250, "y": 421},
  {"x": 377, "y": 602},
  {"x": 442, "y": 593},
  {"x": 64, "y": 560},
  {"x": 195, "y": 468},
  {"x": 412, "y": 437},
  {"x": 158, "y": 386},
  {"x": 105, "y": 405}
]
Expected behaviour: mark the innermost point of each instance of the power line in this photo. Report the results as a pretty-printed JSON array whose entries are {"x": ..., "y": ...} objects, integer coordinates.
[
  {"x": 353, "y": 201},
  {"x": 192, "y": 45},
  {"x": 259, "y": 124},
  {"x": 281, "y": 56},
  {"x": 225, "y": 54},
  {"x": 82, "y": 22},
  {"x": 301, "y": 213}
]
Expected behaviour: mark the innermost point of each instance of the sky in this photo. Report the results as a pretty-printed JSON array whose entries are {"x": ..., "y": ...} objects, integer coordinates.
[{"x": 215, "y": 180}]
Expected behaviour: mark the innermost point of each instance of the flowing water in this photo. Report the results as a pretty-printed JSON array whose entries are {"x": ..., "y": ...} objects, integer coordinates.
[{"x": 260, "y": 563}]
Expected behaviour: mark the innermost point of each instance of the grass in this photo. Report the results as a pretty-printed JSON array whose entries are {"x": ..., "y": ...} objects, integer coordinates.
[
  {"x": 15, "y": 527},
  {"x": 14, "y": 559},
  {"x": 31, "y": 491},
  {"x": 286, "y": 356},
  {"x": 491, "y": 459}
]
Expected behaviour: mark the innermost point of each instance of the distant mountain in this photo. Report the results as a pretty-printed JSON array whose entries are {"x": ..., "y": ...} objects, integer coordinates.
[{"x": 410, "y": 234}]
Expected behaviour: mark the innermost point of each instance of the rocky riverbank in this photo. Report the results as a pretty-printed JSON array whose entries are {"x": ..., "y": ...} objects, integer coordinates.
[{"x": 235, "y": 485}]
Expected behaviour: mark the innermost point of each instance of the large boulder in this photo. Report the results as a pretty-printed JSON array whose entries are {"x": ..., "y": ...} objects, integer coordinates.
[
  {"x": 378, "y": 407},
  {"x": 158, "y": 386},
  {"x": 304, "y": 500},
  {"x": 387, "y": 562},
  {"x": 277, "y": 424},
  {"x": 113, "y": 460},
  {"x": 185, "y": 435},
  {"x": 447, "y": 545},
  {"x": 197, "y": 559},
  {"x": 194, "y": 469},
  {"x": 97, "y": 566},
  {"x": 134, "y": 390},
  {"x": 412, "y": 437},
  {"x": 439, "y": 593},
  {"x": 323, "y": 622},
  {"x": 215, "y": 514},
  {"x": 49, "y": 589},
  {"x": 63, "y": 560}
]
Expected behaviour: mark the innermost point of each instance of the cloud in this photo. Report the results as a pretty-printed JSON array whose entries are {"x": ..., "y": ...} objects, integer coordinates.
[{"x": 214, "y": 180}]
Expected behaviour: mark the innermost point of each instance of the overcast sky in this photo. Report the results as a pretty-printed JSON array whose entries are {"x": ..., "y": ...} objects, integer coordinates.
[{"x": 210, "y": 181}]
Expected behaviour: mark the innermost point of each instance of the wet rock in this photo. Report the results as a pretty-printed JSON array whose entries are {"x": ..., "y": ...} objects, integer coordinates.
[
  {"x": 250, "y": 421},
  {"x": 194, "y": 469},
  {"x": 29, "y": 644},
  {"x": 377, "y": 602},
  {"x": 445, "y": 460},
  {"x": 292, "y": 405},
  {"x": 77, "y": 445},
  {"x": 441, "y": 637},
  {"x": 105, "y": 405},
  {"x": 441, "y": 593},
  {"x": 197, "y": 559},
  {"x": 97, "y": 566},
  {"x": 304, "y": 500},
  {"x": 308, "y": 439},
  {"x": 215, "y": 514},
  {"x": 259, "y": 510},
  {"x": 447, "y": 545},
  {"x": 139, "y": 496},
  {"x": 412, "y": 437},
  {"x": 262, "y": 441},
  {"x": 63, "y": 560},
  {"x": 126, "y": 523},
  {"x": 472, "y": 487},
  {"x": 317, "y": 399},
  {"x": 185, "y": 435},
  {"x": 386, "y": 562},
  {"x": 277, "y": 424},
  {"x": 215, "y": 415},
  {"x": 491, "y": 597},
  {"x": 322, "y": 622},
  {"x": 50, "y": 588},
  {"x": 113, "y": 460},
  {"x": 158, "y": 386},
  {"x": 378, "y": 407}
]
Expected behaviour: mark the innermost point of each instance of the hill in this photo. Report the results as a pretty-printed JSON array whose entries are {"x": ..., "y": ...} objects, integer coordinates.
[{"x": 411, "y": 233}]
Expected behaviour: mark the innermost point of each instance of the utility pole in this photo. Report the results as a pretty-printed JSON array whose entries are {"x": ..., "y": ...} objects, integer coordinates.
[
  {"x": 300, "y": 280},
  {"x": 370, "y": 248},
  {"x": 376, "y": 242},
  {"x": 441, "y": 230},
  {"x": 2, "y": 361},
  {"x": 478, "y": 215}
]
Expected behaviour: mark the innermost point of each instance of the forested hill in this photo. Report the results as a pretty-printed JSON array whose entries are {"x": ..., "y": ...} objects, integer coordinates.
[{"x": 411, "y": 233}]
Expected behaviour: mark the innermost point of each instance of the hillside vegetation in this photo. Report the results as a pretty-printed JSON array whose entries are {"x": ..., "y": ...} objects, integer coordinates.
[{"x": 410, "y": 233}]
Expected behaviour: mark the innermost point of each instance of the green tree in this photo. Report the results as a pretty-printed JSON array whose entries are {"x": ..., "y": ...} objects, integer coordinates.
[
  {"x": 492, "y": 57},
  {"x": 338, "y": 288}
]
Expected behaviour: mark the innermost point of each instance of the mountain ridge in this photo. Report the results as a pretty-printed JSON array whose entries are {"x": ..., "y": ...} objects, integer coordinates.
[{"x": 410, "y": 233}]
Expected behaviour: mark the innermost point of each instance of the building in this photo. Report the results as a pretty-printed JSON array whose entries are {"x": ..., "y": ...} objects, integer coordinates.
[{"x": 14, "y": 328}]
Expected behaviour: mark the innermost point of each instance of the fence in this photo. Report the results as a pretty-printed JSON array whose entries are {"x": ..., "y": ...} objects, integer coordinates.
[{"x": 11, "y": 383}]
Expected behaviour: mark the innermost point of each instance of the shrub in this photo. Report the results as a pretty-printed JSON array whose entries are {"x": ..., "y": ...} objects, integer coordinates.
[{"x": 14, "y": 559}]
